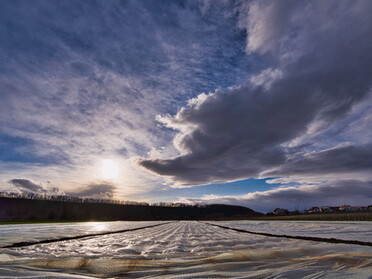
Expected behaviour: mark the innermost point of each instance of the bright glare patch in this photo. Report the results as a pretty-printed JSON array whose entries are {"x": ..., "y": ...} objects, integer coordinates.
[
  {"x": 97, "y": 226},
  {"x": 109, "y": 169}
]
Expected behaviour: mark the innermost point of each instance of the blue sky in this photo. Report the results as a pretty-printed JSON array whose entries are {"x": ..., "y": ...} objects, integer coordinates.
[{"x": 262, "y": 104}]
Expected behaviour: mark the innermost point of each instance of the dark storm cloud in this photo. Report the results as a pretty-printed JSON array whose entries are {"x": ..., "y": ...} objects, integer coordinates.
[
  {"x": 325, "y": 69},
  {"x": 28, "y": 185},
  {"x": 337, "y": 193},
  {"x": 95, "y": 190},
  {"x": 337, "y": 160}
]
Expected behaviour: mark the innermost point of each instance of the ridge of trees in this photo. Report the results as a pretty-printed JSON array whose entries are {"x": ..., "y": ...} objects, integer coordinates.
[{"x": 20, "y": 208}]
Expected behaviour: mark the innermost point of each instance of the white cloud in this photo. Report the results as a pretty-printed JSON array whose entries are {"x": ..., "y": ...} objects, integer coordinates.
[
  {"x": 266, "y": 23},
  {"x": 266, "y": 78}
]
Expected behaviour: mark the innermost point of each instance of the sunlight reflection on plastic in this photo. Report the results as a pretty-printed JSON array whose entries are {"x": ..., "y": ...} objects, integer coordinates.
[{"x": 98, "y": 226}]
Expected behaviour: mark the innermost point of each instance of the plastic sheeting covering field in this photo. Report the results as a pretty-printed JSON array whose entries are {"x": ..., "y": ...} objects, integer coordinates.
[
  {"x": 361, "y": 231},
  {"x": 188, "y": 250},
  {"x": 36, "y": 232}
]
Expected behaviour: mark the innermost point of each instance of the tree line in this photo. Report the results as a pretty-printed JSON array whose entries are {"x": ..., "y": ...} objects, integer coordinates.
[{"x": 17, "y": 209}]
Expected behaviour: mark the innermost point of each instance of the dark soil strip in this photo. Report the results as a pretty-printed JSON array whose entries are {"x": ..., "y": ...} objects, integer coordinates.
[
  {"x": 320, "y": 239},
  {"x": 23, "y": 244}
]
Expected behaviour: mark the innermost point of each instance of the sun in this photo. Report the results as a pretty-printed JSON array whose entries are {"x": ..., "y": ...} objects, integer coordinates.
[{"x": 109, "y": 169}]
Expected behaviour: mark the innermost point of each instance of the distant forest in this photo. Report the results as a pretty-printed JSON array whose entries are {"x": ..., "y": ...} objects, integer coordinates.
[{"x": 17, "y": 209}]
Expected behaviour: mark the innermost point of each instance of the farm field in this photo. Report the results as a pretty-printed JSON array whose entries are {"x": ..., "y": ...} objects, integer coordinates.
[
  {"x": 10, "y": 234},
  {"x": 187, "y": 249},
  {"x": 361, "y": 231}
]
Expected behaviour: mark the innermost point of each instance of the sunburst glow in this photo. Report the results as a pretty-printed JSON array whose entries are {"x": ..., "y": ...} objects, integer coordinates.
[{"x": 109, "y": 169}]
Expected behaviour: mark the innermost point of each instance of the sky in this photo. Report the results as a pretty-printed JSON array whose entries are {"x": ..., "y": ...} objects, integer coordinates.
[{"x": 263, "y": 104}]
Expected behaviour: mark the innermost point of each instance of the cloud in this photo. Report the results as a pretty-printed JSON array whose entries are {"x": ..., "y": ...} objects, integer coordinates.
[
  {"x": 345, "y": 159},
  {"x": 28, "y": 185},
  {"x": 266, "y": 23},
  {"x": 95, "y": 190},
  {"x": 266, "y": 78},
  {"x": 341, "y": 192},
  {"x": 325, "y": 71}
]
